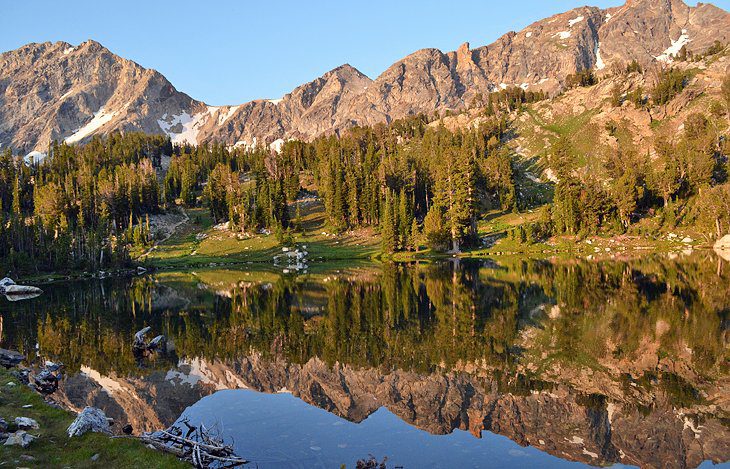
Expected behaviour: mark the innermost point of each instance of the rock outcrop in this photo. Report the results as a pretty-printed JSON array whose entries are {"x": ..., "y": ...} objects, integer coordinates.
[{"x": 56, "y": 91}]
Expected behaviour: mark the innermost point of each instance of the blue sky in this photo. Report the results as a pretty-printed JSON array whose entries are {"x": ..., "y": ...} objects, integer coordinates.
[{"x": 229, "y": 52}]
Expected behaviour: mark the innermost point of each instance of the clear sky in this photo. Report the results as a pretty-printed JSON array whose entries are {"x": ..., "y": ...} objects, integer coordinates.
[{"x": 229, "y": 52}]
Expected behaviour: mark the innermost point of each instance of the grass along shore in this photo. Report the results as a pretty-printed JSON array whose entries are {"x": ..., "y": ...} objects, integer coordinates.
[
  {"x": 198, "y": 243},
  {"x": 53, "y": 447}
]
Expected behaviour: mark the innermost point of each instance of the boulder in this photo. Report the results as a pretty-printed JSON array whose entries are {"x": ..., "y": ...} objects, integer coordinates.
[
  {"x": 723, "y": 243},
  {"x": 722, "y": 247},
  {"x": 25, "y": 423},
  {"x": 9, "y": 287},
  {"x": 20, "y": 438},
  {"x": 10, "y": 358},
  {"x": 6, "y": 282},
  {"x": 90, "y": 419}
]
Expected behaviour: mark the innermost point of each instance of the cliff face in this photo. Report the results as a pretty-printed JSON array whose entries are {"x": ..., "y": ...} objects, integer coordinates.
[
  {"x": 561, "y": 421},
  {"x": 56, "y": 91}
]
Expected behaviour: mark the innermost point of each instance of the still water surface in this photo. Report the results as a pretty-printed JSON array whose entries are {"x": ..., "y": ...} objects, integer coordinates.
[{"x": 498, "y": 363}]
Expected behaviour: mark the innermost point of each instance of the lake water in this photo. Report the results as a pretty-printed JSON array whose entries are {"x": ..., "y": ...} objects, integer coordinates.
[{"x": 506, "y": 362}]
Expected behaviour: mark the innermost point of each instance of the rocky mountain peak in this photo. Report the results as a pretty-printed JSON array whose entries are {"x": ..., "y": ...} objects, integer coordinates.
[{"x": 64, "y": 92}]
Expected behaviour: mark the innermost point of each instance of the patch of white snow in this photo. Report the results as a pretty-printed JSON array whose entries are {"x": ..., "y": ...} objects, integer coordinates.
[
  {"x": 276, "y": 145},
  {"x": 189, "y": 126},
  {"x": 529, "y": 34},
  {"x": 562, "y": 34},
  {"x": 575, "y": 21},
  {"x": 671, "y": 51},
  {"x": 101, "y": 118},
  {"x": 222, "y": 118},
  {"x": 34, "y": 157},
  {"x": 600, "y": 64}
]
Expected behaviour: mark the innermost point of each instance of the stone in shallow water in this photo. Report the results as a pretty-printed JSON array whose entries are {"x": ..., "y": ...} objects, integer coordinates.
[
  {"x": 90, "y": 419},
  {"x": 20, "y": 438}
]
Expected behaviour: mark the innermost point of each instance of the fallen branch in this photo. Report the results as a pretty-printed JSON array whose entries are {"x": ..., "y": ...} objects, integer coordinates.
[{"x": 199, "y": 446}]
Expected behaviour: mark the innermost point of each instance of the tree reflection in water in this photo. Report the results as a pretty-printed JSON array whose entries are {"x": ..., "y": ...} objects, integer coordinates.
[{"x": 628, "y": 356}]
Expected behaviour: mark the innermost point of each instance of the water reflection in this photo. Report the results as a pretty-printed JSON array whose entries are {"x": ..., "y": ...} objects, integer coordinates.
[{"x": 598, "y": 362}]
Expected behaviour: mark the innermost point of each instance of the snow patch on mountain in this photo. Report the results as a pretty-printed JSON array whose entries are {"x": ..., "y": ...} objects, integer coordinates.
[
  {"x": 184, "y": 127},
  {"x": 671, "y": 51},
  {"x": 600, "y": 64},
  {"x": 529, "y": 34},
  {"x": 276, "y": 145},
  {"x": 575, "y": 21},
  {"x": 34, "y": 157},
  {"x": 275, "y": 101},
  {"x": 246, "y": 144},
  {"x": 101, "y": 117},
  {"x": 562, "y": 34},
  {"x": 223, "y": 117}
]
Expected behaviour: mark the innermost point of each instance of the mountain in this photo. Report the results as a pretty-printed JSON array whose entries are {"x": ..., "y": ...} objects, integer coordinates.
[
  {"x": 57, "y": 91},
  {"x": 599, "y": 433}
]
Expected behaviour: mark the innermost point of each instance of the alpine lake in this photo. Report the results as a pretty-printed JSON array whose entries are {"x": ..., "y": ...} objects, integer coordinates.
[{"x": 499, "y": 362}]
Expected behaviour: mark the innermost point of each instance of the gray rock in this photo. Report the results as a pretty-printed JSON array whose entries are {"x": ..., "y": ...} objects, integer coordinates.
[
  {"x": 25, "y": 423},
  {"x": 10, "y": 358},
  {"x": 90, "y": 419},
  {"x": 20, "y": 438}
]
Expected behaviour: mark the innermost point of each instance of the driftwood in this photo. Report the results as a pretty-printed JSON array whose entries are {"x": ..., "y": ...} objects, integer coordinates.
[
  {"x": 140, "y": 348},
  {"x": 196, "y": 445}
]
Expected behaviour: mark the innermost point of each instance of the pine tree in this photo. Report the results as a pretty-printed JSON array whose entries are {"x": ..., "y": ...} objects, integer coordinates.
[
  {"x": 387, "y": 227},
  {"x": 415, "y": 235},
  {"x": 16, "y": 197}
]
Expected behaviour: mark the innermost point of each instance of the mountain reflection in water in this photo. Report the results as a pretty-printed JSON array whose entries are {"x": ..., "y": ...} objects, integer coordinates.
[{"x": 617, "y": 361}]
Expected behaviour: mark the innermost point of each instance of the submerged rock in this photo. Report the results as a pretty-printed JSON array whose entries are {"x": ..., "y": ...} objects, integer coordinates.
[{"x": 90, "y": 419}]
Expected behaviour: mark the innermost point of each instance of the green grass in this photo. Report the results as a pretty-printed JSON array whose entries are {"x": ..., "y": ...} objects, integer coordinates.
[
  {"x": 54, "y": 448},
  {"x": 185, "y": 250}
]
